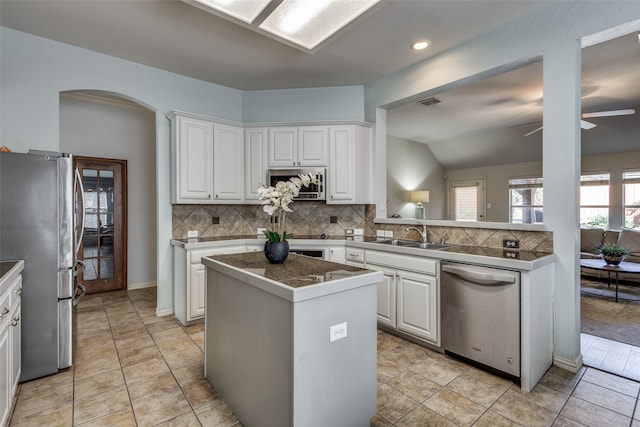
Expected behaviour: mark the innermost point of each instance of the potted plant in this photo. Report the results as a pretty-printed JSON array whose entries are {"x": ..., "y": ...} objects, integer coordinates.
[
  {"x": 276, "y": 201},
  {"x": 612, "y": 254}
]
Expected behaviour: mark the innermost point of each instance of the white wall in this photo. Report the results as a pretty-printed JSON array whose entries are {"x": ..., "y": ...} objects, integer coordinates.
[
  {"x": 101, "y": 130},
  {"x": 555, "y": 32},
  {"x": 412, "y": 166}
]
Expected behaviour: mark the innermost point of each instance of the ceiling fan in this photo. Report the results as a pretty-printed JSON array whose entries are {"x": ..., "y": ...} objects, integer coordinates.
[{"x": 588, "y": 125}]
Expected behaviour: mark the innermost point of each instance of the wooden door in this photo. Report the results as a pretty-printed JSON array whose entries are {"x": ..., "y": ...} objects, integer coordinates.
[{"x": 103, "y": 248}]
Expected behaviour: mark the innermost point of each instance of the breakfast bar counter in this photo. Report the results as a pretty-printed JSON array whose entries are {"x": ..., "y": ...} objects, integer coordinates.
[{"x": 291, "y": 344}]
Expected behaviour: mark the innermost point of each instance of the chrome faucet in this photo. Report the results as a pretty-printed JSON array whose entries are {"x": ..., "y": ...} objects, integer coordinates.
[{"x": 422, "y": 233}]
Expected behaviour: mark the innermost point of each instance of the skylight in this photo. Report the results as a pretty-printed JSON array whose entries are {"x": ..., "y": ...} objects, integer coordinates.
[{"x": 304, "y": 24}]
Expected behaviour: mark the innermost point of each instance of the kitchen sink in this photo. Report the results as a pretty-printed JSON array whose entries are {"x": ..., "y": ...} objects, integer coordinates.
[{"x": 413, "y": 244}]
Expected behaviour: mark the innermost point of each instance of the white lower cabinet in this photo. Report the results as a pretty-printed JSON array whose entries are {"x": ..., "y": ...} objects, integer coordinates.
[
  {"x": 336, "y": 254},
  {"x": 190, "y": 282},
  {"x": 417, "y": 304},
  {"x": 408, "y": 295},
  {"x": 10, "y": 335}
]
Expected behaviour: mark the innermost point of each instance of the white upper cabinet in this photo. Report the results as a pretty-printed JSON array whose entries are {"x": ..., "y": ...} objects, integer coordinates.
[
  {"x": 291, "y": 146},
  {"x": 349, "y": 170},
  {"x": 208, "y": 160},
  {"x": 192, "y": 146},
  {"x": 255, "y": 161},
  {"x": 228, "y": 162}
]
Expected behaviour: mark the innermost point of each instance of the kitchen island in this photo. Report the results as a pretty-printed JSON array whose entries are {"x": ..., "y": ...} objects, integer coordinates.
[{"x": 291, "y": 344}]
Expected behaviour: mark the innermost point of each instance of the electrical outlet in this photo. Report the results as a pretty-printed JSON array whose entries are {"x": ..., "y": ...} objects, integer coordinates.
[
  {"x": 388, "y": 233},
  {"x": 192, "y": 233},
  {"x": 380, "y": 233},
  {"x": 510, "y": 254},
  {"x": 261, "y": 231},
  {"x": 337, "y": 332},
  {"x": 511, "y": 244}
]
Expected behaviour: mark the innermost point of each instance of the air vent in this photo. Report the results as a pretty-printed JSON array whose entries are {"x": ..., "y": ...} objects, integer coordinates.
[{"x": 429, "y": 101}]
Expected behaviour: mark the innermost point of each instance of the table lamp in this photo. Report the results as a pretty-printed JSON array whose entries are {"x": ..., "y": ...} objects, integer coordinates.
[{"x": 419, "y": 197}]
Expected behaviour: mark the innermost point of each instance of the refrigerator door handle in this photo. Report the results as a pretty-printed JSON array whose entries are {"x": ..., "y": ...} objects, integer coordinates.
[
  {"x": 77, "y": 297},
  {"x": 81, "y": 226}
]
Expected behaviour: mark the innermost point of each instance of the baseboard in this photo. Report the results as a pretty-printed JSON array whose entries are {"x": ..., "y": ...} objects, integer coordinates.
[
  {"x": 142, "y": 285},
  {"x": 567, "y": 364},
  {"x": 164, "y": 312}
]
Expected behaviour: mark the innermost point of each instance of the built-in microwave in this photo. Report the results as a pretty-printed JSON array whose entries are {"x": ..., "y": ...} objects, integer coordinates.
[{"x": 312, "y": 192}]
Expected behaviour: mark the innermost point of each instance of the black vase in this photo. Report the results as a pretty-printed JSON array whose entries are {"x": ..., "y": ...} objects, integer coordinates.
[{"x": 276, "y": 252}]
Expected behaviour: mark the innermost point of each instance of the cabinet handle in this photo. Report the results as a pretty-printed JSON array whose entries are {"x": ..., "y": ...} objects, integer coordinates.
[
  {"x": 14, "y": 322},
  {"x": 4, "y": 312},
  {"x": 216, "y": 196},
  {"x": 16, "y": 318},
  {"x": 18, "y": 291}
]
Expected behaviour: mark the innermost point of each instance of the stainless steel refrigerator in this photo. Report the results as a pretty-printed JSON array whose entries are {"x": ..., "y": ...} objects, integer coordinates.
[{"x": 38, "y": 211}]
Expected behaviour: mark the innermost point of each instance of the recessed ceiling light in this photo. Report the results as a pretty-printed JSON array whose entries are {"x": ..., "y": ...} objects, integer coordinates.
[{"x": 419, "y": 45}]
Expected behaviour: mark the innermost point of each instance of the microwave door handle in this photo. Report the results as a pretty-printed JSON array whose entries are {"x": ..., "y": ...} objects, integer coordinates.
[{"x": 81, "y": 235}]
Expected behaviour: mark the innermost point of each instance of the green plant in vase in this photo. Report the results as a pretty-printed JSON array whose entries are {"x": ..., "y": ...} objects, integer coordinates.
[{"x": 612, "y": 253}]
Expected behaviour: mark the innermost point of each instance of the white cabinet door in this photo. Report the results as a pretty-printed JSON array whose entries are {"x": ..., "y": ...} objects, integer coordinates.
[
  {"x": 313, "y": 147},
  {"x": 5, "y": 373},
  {"x": 341, "y": 168},
  {"x": 417, "y": 305},
  {"x": 194, "y": 163},
  {"x": 283, "y": 146},
  {"x": 228, "y": 162},
  {"x": 15, "y": 337},
  {"x": 336, "y": 254},
  {"x": 195, "y": 299},
  {"x": 256, "y": 161},
  {"x": 386, "y": 296}
]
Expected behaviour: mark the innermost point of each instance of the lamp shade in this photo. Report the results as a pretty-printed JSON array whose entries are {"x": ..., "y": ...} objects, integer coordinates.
[{"x": 420, "y": 196}]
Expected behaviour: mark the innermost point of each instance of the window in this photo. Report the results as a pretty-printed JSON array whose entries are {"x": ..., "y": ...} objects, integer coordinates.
[
  {"x": 631, "y": 189},
  {"x": 594, "y": 200},
  {"x": 525, "y": 199},
  {"x": 467, "y": 200}
]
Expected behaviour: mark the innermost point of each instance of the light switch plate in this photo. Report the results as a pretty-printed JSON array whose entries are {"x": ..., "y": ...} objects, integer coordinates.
[
  {"x": 192, "y": 233},
  {"x": 380, "y": 233},
  {"x": 388, "y": 233},
  {"x": 358, "y": 231}
]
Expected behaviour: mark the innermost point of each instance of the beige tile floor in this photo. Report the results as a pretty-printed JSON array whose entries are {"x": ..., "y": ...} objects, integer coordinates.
[{"x": 135, "y": 369}]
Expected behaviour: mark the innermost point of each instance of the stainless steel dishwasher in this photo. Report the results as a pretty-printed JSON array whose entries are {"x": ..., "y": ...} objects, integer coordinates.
[{"x": 480, "y": 318}]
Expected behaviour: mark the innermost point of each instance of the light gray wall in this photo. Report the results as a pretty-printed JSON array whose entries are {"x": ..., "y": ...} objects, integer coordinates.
[
  {"x": 496, "y": 184},
  {"x": 295, "y": 105},
  {"x": 34, "y": 70},
  {"x": 412, "y": 166},
  {"x": 100, "y": 130},
  {"x": 615, "y": 164},
  {"x": 555, "y": 33}
]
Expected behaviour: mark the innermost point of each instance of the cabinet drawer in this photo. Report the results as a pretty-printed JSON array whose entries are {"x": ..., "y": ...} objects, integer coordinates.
[
  {"x": 354, "y": 255},
  {"x": 195, "y": 255},
  {"x": 404, "y": 262}
]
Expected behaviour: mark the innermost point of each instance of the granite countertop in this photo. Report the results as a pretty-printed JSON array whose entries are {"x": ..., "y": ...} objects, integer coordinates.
[{"x": 296, "y": 271}]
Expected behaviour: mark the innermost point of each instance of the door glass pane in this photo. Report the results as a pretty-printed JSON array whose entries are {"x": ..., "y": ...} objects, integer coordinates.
[
  {"x": 90, "y": 269},
  {"x": 106, "y": 268},
  {"x": 466, "y": 203},
  {"x": 106, "y": 245}
]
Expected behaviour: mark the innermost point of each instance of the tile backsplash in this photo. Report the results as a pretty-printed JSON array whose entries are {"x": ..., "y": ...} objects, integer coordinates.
[
  {"x": 314, "y": 218},
  {"x": 307, "y": 218}
]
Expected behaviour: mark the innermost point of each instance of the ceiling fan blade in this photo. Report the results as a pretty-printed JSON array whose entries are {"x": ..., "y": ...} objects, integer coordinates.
[
  {"x": 610, "y": 113},
  {"x": 533, "y": 131},
  {"x": 587, "y": 125}
]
